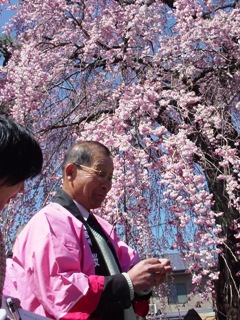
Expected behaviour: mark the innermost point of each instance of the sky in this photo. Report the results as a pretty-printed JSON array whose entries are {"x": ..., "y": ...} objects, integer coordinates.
[{"x": 5, "y": 16}]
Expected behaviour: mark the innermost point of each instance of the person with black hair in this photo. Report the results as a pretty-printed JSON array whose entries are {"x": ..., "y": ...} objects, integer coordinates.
[
  {"x": 20, "y": 158},
  {"x": 70, "y": 262}
]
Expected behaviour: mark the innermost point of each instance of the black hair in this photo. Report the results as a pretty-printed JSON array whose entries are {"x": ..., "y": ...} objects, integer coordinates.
[
  {"x": 20, "y": 154},
  {"x": 83, "y": 153}
]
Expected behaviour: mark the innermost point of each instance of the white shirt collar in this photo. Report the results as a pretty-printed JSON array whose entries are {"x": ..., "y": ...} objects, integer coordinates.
[{"x": 83, "y": 210}]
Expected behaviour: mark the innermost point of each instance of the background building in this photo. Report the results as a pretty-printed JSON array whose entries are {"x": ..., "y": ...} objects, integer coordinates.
[{"x": 176, "y": 301}]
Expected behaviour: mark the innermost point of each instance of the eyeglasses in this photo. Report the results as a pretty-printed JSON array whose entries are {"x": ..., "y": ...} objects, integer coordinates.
[{"x": 101, "y": 175}]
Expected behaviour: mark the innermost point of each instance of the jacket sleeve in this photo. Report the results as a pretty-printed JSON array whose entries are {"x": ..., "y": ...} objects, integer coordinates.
[
  {"x": 115, "y": 297},
  {"x": 141, "y": 308}
]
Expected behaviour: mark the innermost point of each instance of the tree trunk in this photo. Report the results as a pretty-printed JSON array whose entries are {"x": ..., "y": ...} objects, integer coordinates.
[{"x": 227, "y": 287}]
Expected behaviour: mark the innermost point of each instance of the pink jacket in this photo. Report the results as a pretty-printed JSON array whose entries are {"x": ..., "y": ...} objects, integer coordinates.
[{"x": 52, "y": 271}]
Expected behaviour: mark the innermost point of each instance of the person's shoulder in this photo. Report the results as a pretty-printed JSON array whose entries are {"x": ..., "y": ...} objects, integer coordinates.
[
  {"x": 56, "y": 213},
  {"x": 53, "y": 216},
  {"x": 50, "y": 211},
  {"x": 51, "y": 208}
]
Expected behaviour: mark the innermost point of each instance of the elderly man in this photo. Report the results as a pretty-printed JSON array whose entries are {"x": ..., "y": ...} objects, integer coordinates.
[
  {"x": 20, "y": 159},
  {"x": 73, "y": 264}
]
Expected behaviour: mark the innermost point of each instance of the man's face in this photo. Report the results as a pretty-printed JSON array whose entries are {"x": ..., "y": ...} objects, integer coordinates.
[
  {"x": 90, "y": 187},
  {"x": 9, "y": 192}
]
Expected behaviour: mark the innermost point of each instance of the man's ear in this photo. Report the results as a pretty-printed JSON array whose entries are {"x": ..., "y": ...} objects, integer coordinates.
[{"x": 70, "y": 171}]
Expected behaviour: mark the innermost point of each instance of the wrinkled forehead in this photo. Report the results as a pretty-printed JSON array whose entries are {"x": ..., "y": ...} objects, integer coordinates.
[{"x": 102, "y": 162}]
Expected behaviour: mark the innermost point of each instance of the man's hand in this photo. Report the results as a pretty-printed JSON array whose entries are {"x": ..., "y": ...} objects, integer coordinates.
[{"x": 148, "y": 273}]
